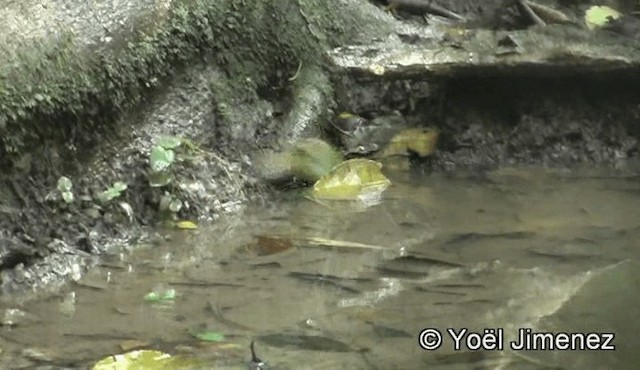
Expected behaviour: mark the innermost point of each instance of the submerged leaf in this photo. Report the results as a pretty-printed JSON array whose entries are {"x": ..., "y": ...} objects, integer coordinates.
[
  {"x": 209, "y": 336},
  {"x": 272, "y": 244},
  {"x": 142, "y": 359},
  {"x": 168, "y": 295},
  {"x": 351, "y": 180}
]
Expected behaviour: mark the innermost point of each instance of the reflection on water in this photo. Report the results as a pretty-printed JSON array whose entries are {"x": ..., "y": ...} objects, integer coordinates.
[{"x": 330, "y": 286}]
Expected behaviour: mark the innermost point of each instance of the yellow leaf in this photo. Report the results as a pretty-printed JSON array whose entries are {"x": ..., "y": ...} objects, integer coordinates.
[
  {"x": 351, "y": 180},
  {"x": 148, "y": 359},
  {"x": 598, "y": 16},
  {"x": 186, "y": 225}
]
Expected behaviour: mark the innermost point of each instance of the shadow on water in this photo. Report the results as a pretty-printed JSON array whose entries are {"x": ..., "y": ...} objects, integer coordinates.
[{"x": 330, "y": 286}]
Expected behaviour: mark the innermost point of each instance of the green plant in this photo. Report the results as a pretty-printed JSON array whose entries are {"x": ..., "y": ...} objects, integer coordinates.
[
  {"x": 161, "y": 158},
  {"x": 64, "y": 187},
  {"x": 113, "y": 192}
]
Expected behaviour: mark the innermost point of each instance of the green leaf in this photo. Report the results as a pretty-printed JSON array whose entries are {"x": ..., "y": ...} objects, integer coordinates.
[
  {"x": 113, "y": 192},
  {"x": 210, "y": 336},
  {"x": 168, "y": 295},
  {"x": 119, "y": 186},
  {"x": 176, "y": 205},
  {"x": 599, "y": 16},
  {"x": 67, "y": 196},
  {"x": 352, "y": 180},
  {"x": 169, "y": 142},
  {"x": 161, "y": 158},
  {"x": 64, "y": 184}
]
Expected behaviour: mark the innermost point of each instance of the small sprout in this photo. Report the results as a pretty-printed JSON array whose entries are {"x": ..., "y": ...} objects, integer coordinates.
[
  {"x": 64, "y": 187},
  {"x": 161, "y": 158},
  {"x": 113, "y": 192},
  {"x": 169, "y": 142},
  {"x": 64, "y": 184},
  {"x": 67, "y": 196},
  {"x": 175, "y": 205}
]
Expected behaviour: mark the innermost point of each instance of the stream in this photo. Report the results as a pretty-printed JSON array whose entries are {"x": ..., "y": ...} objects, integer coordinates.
[{"x": 336, "y": 285}]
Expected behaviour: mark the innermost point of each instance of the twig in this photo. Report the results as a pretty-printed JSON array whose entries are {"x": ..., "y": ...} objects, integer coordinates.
[
  {"x": 530, "y": 13},
  {"x": 322, "y": 242}
]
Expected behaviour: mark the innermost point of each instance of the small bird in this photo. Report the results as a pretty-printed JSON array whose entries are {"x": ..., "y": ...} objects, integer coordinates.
[{"x": 256, "y": 363}]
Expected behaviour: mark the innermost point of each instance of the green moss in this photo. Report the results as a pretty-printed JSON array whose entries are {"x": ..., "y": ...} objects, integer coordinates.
[{"x": 55, "y": 90}]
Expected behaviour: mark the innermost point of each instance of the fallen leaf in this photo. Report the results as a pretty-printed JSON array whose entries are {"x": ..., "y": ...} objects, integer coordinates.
[
  {"x": 186, "y": 225},
  {"x": 352, "y": 180}
]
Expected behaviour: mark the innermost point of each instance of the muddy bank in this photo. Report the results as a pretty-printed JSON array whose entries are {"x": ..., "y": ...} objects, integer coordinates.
[{"x": 234, "y": 81}]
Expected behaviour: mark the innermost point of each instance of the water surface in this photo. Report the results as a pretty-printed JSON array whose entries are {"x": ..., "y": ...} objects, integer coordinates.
[{"x": 352, "y": 287}]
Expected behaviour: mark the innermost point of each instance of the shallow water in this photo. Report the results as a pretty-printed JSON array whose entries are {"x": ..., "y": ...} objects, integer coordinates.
[{"x": 512, "y": 248}]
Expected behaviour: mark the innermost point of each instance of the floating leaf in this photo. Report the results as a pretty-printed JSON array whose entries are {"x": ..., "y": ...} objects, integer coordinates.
[
  {"x": 209, "y": 336},
  {"x": 598, "y": 16},
  {"x": 186, "y": 225},
  {"x": 414, "y": 140},
  {"x": 351, "y": 180},
  {"x": 169, "y": 142},
  {"x": 146, "y": 359},
  {"x": 161, "y": 158},
  {"x": 64, "y": 184}
]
